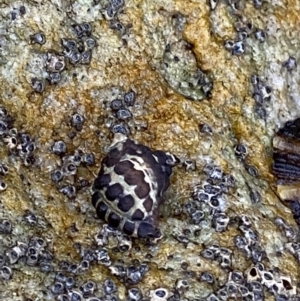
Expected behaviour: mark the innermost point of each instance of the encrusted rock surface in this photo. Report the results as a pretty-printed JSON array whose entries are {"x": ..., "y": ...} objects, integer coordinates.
[{"x": 210, "y": 86}]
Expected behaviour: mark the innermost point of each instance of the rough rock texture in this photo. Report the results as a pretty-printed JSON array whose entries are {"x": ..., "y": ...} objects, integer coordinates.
[{"x": 217, "y": 112}]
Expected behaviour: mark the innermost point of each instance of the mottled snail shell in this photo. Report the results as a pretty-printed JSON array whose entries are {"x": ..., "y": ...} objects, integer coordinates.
[
  {"x": 286, "y": 164},
  {"x": 130, "y": 185}
]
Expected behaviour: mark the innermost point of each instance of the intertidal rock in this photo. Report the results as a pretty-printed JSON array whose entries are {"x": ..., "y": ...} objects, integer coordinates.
[{"x": 73, "y": 73}]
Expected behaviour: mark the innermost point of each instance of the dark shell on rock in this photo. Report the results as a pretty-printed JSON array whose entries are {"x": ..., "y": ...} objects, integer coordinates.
[
  {"x": 130, "y": 185},
  {"x": 286, "y": 164},
  {"x": 286, "y": 154}
]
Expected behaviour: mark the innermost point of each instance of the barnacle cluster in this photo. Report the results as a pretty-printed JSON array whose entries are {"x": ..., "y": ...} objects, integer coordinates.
[
  {"x": 209, "y": 199},
  {"x": 34, "y": 253},
  {"x": 243, "y": 26},
  {"x": 66, "y": 288},
  {"x": 261, "y": 94},
  {"x": 288, "y": 230},
  {"x": 29, "y": 251},
  {"x": 249, "y": 242},
  {"x": 75, "y": 51},
  {"x": 79, "y": 51},
  {"x": 251, "y": 285},
  {"x": 113, "y": 239},
  {"x": 3, "y": 171},
  {"x": 222, "y": 255},
  {"x": 241, "y": 153},
  {"x": 64, "y": 283},
  {"x": 111, "y": 10},
  {"x": 19, "y": 144},
  {"x": 65, "y": 174},
  {"x": 129, "y": 273},
  {"x": 120, "y": 117}
]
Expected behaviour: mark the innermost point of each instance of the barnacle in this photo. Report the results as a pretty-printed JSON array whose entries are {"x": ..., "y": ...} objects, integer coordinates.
[
  {"x": 134, "y": 294},
  {"x": 260, "y": 35},
  {"x": 3, "y": 185},
  {"x": 5, "y": 226},
  {"x": 240, "y": 151},
  {"x": 130, "y": 187},
  {"x": 189, "y": 164},
  {"x": 118, "y": 26},
  {"x": 88, "y": 159},
  {"x": 181, "y": 285},
  {"x": 69, "y": 191},
  {"x": 83, "y": 266},
  {"x": 238, "y": 48},
  {"x": 30, "y": 218},
  {"x": 38, "y": 38},
  {"x": 77, "y": 121},
  {"x": 83, "y": 29},
  {"x": 290, "y": 64},
  {"x": 213, "y": 4},
  {"x": 37, "y": 85},
  {"x": 129, "y": 98},
  {"x": 59, "y": 148},
  {"x": 116, "y": 104},
  {"x": 205, "y": 128},
  {"x": 160, "y": 294},
  {"x": 109, "y": 287},
  {"x": 123, "y": 114},
  {"x": 220, "y": 222},
  {"x": 54, "y": 78},
  {"x": 206, "y": 277},
  {"x": 57, "y": 176},
  {"x": 55, "y": 62},
  {"x": 57, "y": 288},
  {"x": 86, "y": 57},
  {"x": 88, "y": 287},
  {"x": 5, "y": 273}
]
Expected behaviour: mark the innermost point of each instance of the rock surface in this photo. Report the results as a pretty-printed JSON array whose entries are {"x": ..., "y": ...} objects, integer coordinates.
[{"x": 215, "y": 105}]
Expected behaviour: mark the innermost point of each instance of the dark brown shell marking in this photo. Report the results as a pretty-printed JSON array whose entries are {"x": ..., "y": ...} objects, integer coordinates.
[{"x": 130, "y": 185}]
